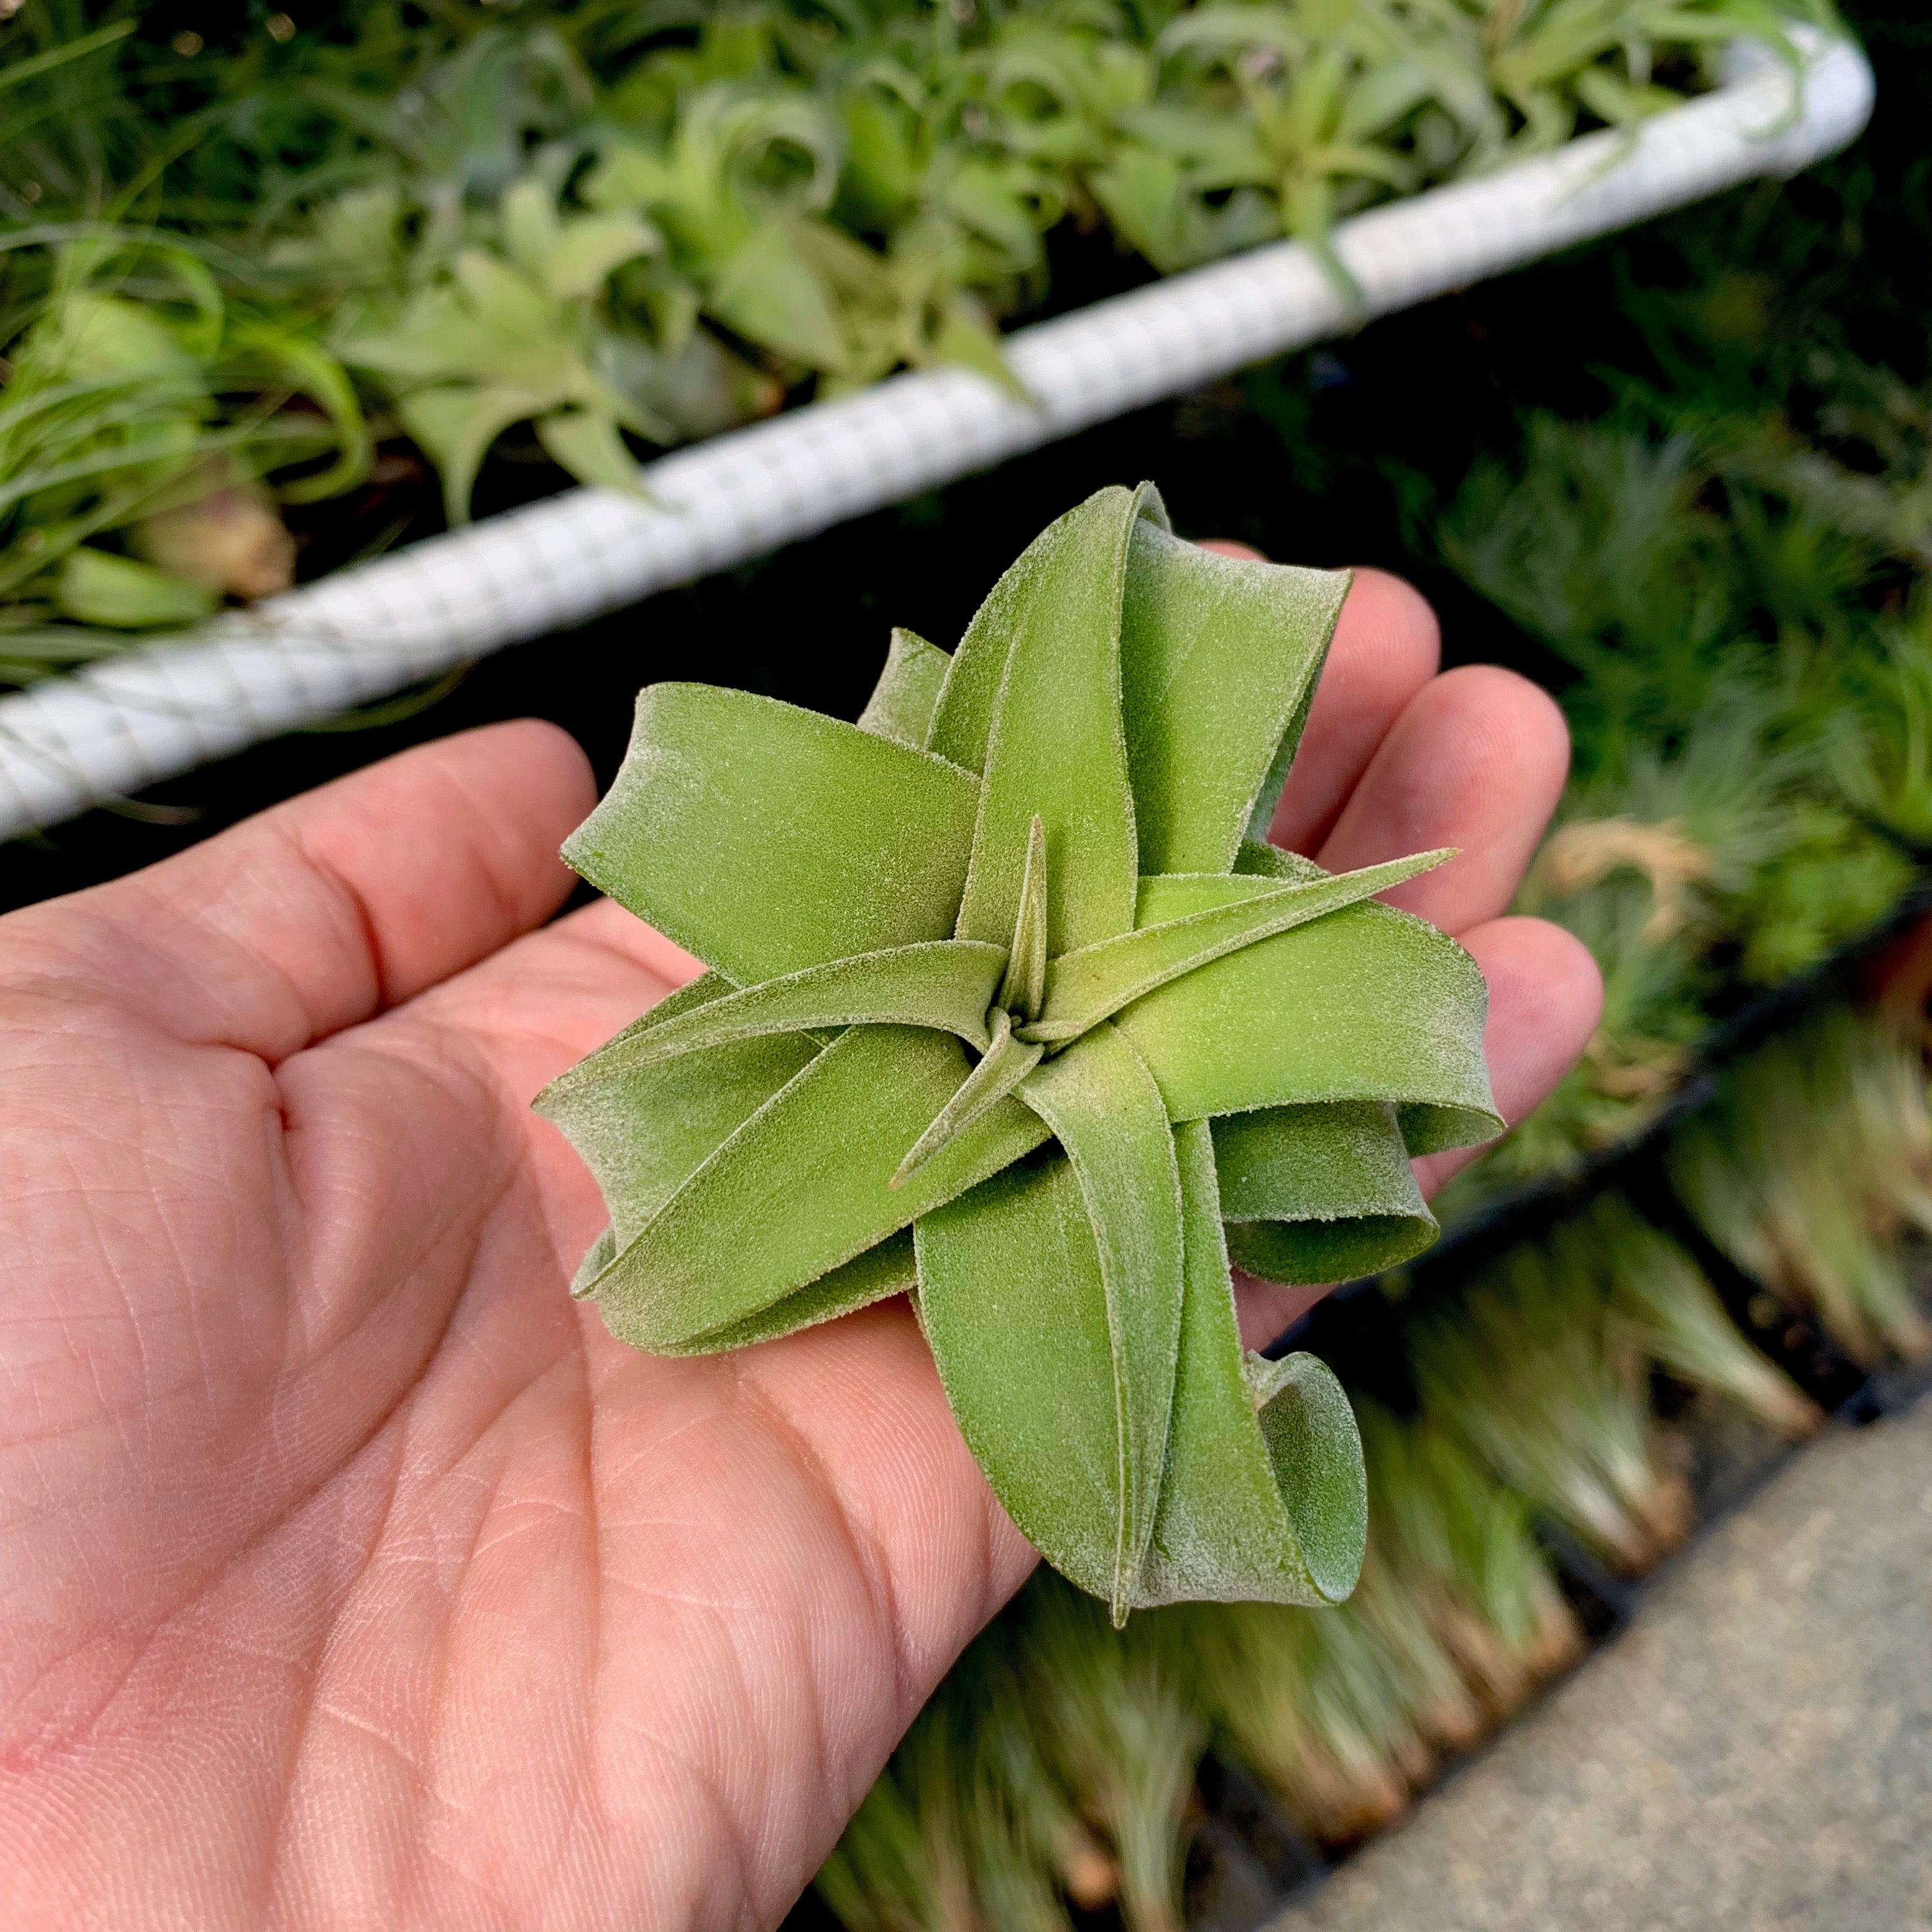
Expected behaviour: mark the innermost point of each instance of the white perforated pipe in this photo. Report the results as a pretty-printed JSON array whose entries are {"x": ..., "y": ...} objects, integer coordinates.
[{"x": 365, "y": 631}]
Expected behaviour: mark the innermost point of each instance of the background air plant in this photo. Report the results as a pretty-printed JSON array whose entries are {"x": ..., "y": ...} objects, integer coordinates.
[
  {"x": 1459, "y": 1546},
  {"x": 1726, "y": 826},
  {"x": 695, "y": 218},
  {"x": 1122, "y": 1741},
  {"x": 1812, "y": 1162},
  {"x": 1528, "y": 1369},
  {"x": 138, "y": 486},
  {"x": 1675, "y": 1318}
]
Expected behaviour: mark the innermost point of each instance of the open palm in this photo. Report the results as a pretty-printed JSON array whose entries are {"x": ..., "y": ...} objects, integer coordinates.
[{"x": 349, "y": 1573}]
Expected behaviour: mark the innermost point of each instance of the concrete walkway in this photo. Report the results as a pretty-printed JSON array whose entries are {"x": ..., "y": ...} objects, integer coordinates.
[{"x": 1754, "y": 1755}]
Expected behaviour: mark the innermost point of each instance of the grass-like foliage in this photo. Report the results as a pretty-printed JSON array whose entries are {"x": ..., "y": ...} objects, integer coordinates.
[
  {"x": 1815, "y": 1157},
  {"x": 1752, "y": 716}
]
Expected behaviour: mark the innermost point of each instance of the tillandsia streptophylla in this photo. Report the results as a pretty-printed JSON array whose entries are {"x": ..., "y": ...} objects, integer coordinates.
[{"x": 1010, "y": 1009}]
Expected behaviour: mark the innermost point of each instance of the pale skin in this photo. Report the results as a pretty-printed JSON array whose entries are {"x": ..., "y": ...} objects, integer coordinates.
[{"x": 350, "y": 1575}]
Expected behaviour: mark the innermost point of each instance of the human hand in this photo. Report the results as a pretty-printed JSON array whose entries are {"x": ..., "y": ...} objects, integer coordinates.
[{"x": 351, "y": 1575}]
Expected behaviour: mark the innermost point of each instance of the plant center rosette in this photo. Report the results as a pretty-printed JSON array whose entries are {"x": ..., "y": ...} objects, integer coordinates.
[{"x": 1010, "y": 1009}]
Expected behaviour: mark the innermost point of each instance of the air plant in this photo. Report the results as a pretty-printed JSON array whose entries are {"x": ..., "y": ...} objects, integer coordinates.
[
  {"x": 1441, "y": 1705},
  {"x": 1032, "y": 1849},
  {"x": 1119, "y": 1739},
  {"x": 967, "y": 1829},
  {"x": 1321, "y": 101},
  {"x": 1805, "y": 1169},
  {"x": 118, "y": 425},
  {"x": 1006, "y": 1007},
  {"x": 514, "y": 336},
  {"x": 1460, "y": 1546},
  {"x": 1593, "y": 538},
  {"x": 1673, "y": 1316},
  {"x": 1551, "y": 58},
  {"x": 1316, "y": 1707},
  {"x": 1882, "y": 749},
  {"x": 1456, "y": 1618},
  {"x": 1526, "y": 1367},
  {"x": 876, "y": 1879}
]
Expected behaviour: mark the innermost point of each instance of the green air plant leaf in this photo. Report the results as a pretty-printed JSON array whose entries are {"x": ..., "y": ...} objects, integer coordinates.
[{"x": 1009, "y": 1009}]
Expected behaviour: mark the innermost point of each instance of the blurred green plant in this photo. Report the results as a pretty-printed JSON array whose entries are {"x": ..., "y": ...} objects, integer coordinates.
[
  {"x": 1815, "y": 1155},
  {"x": 1527, "y": 1370},
  {"x": 1747, "y": 718},
  {"x": 144, "y": 414},
  {"x": 623, "y": 227},
  {"x": 1054, "y": 1766}
]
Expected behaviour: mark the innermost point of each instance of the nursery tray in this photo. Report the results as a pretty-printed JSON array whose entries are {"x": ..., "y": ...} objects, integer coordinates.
[
  {"x": 1352, "y": 1329},
  {"x": 363, "y": 632}
]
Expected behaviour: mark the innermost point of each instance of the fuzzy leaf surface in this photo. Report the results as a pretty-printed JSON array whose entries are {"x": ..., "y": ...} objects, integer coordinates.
[
  {"x": 946, "y": 984},
  {"x": 1085, "y": 987},
  {"x": 885, "y": 1269},
  {"x": 643, "y": 1131},
  {"x": 1309, "y": 1015},
  {"x": 1015, "y": 1307},
  {"x": 1219, "y": 657},
  {"x": 1106, "y": 1112},
  {"x": 717, "y": 831},
  {"x": 1007, "y": 1061},
  {"x": 1319, "y": 1194},
  {"x": 804, "y": 1185},
  {"x": 1268, "y": 1503},
  {"x": 1055, "y": 748},
  {"x": 906, "y": 694}
]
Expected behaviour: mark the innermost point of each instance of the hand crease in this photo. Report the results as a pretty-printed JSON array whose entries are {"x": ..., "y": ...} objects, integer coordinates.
[{"x": 868, "y": 1557}]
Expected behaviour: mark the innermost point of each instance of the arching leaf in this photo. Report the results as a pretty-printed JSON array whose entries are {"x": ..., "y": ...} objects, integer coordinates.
[
  {"x": 1219, "y": 660},
  {"x": 1106, "y": 1112},
  {"x": 946, "y": 984},
  {"x": 804, "y": 1185},
  {"x": 1319, "y": 1194},
  {"x": 1266, "y": 1497},
  {"x": 716, "y": 831},
  {"x": 1367, "y": 1003},
  {"x": 1086, "y": 987},
  {"x": 1054, "y": 749}
]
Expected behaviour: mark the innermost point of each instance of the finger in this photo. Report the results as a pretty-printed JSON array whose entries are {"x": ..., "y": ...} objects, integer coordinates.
[
  {"x": 1386, "y": 648},
  {"x": 1545, "y": 996},
  {"x": 351, "y": 899},
  {"x": 1476, "y": 760}
]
